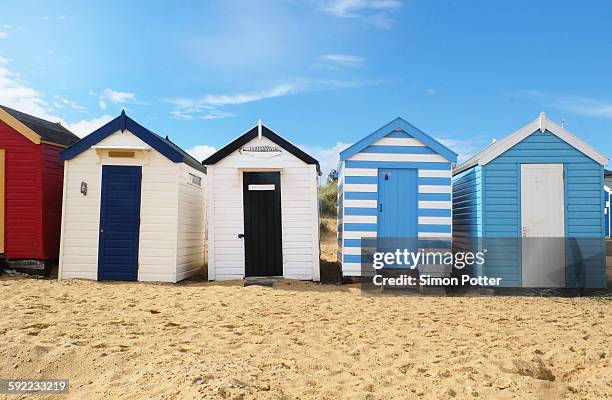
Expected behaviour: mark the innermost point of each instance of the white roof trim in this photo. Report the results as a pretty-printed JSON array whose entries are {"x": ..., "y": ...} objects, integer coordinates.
[
  {"x": 541, "y": 123},
  {"x": 607, "y": 189}
]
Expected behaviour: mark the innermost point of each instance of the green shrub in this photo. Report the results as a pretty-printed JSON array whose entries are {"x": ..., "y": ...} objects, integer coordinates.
[{"x": 328, "y": 195}]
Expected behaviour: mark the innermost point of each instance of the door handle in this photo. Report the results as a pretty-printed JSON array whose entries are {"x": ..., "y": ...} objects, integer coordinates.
[
  {"x": 240, "y": 235},
  {"x": 380, "y": 207}
]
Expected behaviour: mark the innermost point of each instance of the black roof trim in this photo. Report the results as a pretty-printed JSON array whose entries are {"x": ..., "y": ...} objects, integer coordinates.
[
  {"x": 51, "y": 132},
  {"x": 252, "y": 134},
  {"x": 607, "y": 172}
]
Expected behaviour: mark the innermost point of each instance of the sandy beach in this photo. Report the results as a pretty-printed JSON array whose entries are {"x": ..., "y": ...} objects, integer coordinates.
[{"x": 300, "y": 340}]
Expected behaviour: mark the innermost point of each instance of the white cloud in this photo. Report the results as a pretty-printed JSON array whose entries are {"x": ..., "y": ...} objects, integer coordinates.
[
  {"x": 102, "y": 104},
  {"x": 3, "y": 60},
  {"x": 17, "y": 94},
  {"x": 580, "y": 105},
  {"x": 209, "y": 106},
  {"x": 328, "y": 157},
  {"x": 85, "y": 127},
  {"x": 464, "y": 148},
  {"x": 60, "y": 102},
  {"x": 372, "y": 12},
  {"x": 344, "y": 60},
  {"x": 3, "y": 35},
  {"x": 117, "y": 96},
  {"x": 201, "y": 152}
]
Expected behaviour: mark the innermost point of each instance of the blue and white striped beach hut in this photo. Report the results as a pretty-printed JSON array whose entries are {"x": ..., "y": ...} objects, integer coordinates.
[
  {"x": 396, "y": 183},
  {"x": 534, "y": 201},
  {"x": 607, "y": 210}
]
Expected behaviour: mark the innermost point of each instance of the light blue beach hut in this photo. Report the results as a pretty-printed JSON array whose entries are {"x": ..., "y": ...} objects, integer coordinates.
[
  {"x": 607, "y": 210},
  {"x": 396, "y": 182},
  {"x": 533, "y": 201}
]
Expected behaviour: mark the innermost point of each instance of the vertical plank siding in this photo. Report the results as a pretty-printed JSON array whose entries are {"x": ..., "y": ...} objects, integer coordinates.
[{"x": 358, "y": 193}]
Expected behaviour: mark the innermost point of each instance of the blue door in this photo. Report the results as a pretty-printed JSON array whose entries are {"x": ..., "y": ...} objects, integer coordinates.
[
  {"x": 397, "y": 203},
  {"x": 119, "y": 223}
]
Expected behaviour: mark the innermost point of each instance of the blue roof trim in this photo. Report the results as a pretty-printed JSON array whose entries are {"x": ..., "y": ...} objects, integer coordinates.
[
  {"x": 123, "y": 123},
  {"x": 406, "y": 127}
]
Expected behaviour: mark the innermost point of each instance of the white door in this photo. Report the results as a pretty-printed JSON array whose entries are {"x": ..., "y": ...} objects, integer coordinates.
[{"x": 543, "y": 225}]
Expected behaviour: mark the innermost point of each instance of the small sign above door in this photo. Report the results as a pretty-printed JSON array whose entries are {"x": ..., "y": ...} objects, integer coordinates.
[
  {"x": 262, "y": 187},
  {"x": 262, "y": 151}
]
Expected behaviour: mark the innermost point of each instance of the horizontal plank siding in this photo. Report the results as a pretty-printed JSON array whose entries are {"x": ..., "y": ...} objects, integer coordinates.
[{"x": 358, "y": 193}]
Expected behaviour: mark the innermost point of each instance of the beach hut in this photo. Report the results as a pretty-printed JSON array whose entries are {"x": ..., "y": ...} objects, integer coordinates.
[
  {"x": 31, "y": 175},
  {"x": 608, "y": 178},
  {"x": 263, "y": 210},
  {"x": 394, "y": 183},
  {"x": 607, "y": 210},
  {"x": 535, "y": 200},
  {"x": 133, "y": 207}
]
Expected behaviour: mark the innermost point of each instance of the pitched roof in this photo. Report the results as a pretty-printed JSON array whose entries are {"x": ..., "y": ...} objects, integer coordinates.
[
  {"x": 402, "y": 125},
  {"x": 122, "y": 123},
  {"x": 541, "y": 123},
  {"x": 252, "y": 134},
  {"x": 46, "y": 131},
  {"x": 607, "y": 172}
]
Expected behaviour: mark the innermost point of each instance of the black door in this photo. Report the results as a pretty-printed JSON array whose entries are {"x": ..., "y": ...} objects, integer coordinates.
[{"x": 262, "y": 224}]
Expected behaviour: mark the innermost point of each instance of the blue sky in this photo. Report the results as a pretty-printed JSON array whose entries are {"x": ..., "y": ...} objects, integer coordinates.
[{"x": 322, "y": 73}]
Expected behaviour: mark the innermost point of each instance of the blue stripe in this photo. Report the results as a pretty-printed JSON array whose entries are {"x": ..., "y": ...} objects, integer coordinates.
[
  {"x": 398, "y": 149},
  {"x": 360, "y": 195},
  {"x": 352, "y": 242},
  {"x": 398, "y": 164},
  {"x": 359, "y": 227},
  {"x": 435, "y": 228},
  {"x": 433, "y": 212},
  {"x": 357, "y": 258},
  {"x": 434, "y": 196},
  {"x": 435, "y": 181},
  {"x": 361, "y": 179},
  {"x": 398, "y": 134},
  {"x": 360, "y": 211}
]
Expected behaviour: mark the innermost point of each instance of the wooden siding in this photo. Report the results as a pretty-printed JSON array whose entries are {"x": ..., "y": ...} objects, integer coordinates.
[
  {"x": 191, "y": 223},
  {"x": 159, "y": 212},
  {"x": 53, "y": 183},
  {"x": 23, "y": 195},
  {"x": 358, "y": 191},
  {"x": 502, "y": 206},
  {"x": 299, "y": 211}
]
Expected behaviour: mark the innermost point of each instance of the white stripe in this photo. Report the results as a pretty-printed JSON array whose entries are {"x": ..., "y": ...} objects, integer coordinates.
[
  {"x": 435, "y": 189},
  {"x": 360, "y": 187},
  {"x": 361, "y": 172},
  {"x": 436, "y": 220},
  {"x": 352, "y": 269},
  {"x": 361, "y": 203},
  {"x": 398, "y": 142},
  {"x": 434, "y": 235},
  {"x": 360, "y": 219},
  {"x": 444, "y": 205},
  {"x": 358, "y": 235},
  {"x": 435, "y": 173},
  {"x": 355, "y": 251},
  {"x": 398, "y": 157}
]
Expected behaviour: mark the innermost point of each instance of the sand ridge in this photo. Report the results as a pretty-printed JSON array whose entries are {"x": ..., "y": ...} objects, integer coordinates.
[{"x": 300, "y": 340}]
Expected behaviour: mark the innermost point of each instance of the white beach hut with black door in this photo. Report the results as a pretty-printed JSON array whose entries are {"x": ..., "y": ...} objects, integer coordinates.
[
  {"x": 263, "y": 212},
  {"x": 133, "y": 207}
]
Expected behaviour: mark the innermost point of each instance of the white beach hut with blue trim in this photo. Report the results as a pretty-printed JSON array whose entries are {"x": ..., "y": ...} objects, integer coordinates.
[{"x": 396, "y": 182}]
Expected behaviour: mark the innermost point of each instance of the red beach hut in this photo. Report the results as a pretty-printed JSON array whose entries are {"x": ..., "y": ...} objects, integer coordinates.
[{"x": 31, "y": 181}]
